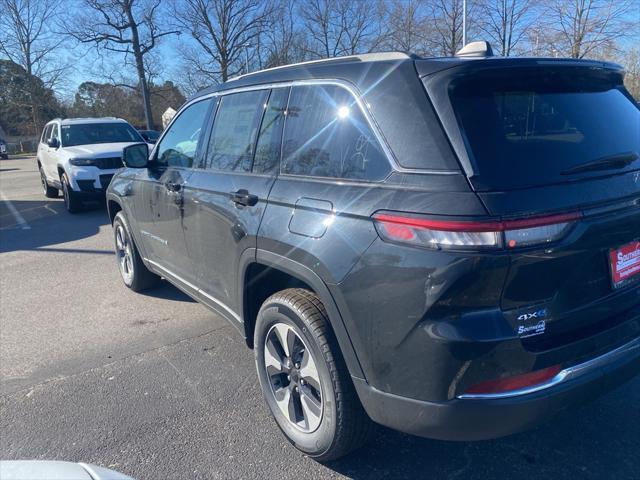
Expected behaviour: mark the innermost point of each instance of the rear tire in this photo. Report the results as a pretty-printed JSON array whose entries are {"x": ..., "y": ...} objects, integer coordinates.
[
  {"x": 49, "y": 191},
  {"x": 133, "y": 271},
  {"x": 72, "y": 201},
  {"x": 306, "y": 384}
]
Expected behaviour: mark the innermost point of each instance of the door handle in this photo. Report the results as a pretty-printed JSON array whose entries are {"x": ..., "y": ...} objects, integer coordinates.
[
  {"x": 173, "y": 187},
  {"x": 243, "y": 197}
]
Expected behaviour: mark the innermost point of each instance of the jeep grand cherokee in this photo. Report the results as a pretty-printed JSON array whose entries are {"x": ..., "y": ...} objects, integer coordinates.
[{"x": 449, "y": 247}]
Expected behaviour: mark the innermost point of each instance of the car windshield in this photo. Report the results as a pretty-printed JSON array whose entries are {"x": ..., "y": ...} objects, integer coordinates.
[{"x": 90, "y": 133}]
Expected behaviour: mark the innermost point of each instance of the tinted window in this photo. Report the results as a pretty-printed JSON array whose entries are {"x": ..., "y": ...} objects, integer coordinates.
[
  {"x": 179, "y": 145},
  {"x": 526, "y": 129},
  {"x": 235, "y": 130},
  {"x": 92, "y": 133},
  {"x": 267, "y": 157},
  {"x": 327, "y": 135}
]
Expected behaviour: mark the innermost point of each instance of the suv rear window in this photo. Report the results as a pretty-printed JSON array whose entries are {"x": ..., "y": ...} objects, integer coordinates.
[{"x": 529, "y": 127}]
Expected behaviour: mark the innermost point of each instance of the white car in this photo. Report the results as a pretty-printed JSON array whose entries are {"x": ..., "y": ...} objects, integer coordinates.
[{"x": 80, "y": 155}]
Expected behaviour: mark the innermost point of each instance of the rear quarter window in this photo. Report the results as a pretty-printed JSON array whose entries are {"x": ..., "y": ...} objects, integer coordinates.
[{"x": 327, "y": 135}]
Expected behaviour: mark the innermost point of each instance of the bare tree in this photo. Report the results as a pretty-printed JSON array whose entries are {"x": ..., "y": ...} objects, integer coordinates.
[
  {"x": 340, "y": 27},
  {"x": 407, "y": 24},
  {"x": 632, "y": 67},
  {"x": 581, "y": 27},
  {"x": 223, "y": 32},
  {"x": 447, "y": 20},
  {"x": 284, "y": 42},
  {"x": 27, "y": 38},
  {"x": 129, "y": 27},
  {"x": 506, "y": 22}
]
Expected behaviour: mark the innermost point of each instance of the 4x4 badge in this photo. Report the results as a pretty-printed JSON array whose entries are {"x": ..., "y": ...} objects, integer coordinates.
[
  {"x": 529, "y": 316},
  {"x": 532, "y": 329}
]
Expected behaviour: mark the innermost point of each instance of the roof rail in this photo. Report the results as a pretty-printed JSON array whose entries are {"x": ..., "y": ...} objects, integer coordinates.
[
  {"x": 365, "y": 57},
  {"x": 90, "y": 118},
  {"x": 480, "y": 49}
]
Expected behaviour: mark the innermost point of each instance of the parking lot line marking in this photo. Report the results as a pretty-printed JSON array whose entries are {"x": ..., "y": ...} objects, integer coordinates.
[{"x": 16, "y": 214}]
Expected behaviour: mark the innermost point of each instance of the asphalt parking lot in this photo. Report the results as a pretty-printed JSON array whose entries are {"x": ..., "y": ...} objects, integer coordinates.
[{"x": 158, "y": 387}]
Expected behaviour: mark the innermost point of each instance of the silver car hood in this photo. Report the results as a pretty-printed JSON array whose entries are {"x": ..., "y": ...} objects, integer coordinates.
[{"x": 54, "y": 470}]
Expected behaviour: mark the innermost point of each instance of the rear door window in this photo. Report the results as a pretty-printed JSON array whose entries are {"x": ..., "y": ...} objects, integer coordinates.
[
  {"x": 267, "y": 157},
  {"x": 530, "y": 128},
  {"x": 235, "y": 129},
  {"x": 327, "y": 135}
]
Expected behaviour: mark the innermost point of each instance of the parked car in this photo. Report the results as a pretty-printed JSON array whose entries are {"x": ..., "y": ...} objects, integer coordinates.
[
  {"x": 150, "y": 136},
  {"x": 449, "y": 247},
  {"x": 80, "y": 155},
  {"x": 3, "y": 149},
  {"x": 51, "y": 469}
]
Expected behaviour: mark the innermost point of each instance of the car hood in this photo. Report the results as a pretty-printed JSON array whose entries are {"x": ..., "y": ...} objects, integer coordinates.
[
  {"x": 97, "y": 150},
  {"x": 53, "y": 470}
]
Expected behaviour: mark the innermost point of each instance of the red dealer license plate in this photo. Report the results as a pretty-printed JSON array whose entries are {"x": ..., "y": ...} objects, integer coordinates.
[{"x": 625, "y": 264}]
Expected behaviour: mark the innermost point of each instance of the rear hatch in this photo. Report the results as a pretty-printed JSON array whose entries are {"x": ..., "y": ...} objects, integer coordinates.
[{"x": 557, "y": 139}]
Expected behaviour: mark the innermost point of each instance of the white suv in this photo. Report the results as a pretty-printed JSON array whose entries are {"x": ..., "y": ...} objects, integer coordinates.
[{"x": 80, "y": 155}]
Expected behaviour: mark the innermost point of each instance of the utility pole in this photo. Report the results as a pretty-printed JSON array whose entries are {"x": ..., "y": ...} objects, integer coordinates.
[
  {"x": 464, "y": 22},
  {"x": 246, "y": 57}
]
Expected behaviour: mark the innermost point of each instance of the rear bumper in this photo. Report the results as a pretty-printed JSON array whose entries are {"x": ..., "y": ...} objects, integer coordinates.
[{"x": 484, "y": 418}]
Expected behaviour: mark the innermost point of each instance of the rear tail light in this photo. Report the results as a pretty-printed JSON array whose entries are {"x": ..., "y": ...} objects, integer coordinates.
[
  {"x": 470, "y": 234},
  {"x": 517, "y": 382}
]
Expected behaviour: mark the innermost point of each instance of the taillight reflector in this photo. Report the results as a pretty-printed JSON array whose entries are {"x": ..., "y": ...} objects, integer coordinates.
[{"x": 517, "y": 382}]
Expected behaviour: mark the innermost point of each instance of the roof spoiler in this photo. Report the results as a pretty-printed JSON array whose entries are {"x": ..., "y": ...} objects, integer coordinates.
[{"x": 480, "y": 49}]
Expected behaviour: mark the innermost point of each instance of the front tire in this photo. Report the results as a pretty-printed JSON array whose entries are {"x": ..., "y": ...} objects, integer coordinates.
[
  {"x": 49, "y": 191},
  {"x": 304, "y": 378},
  {"x": 72, "y": 201},
  {"x": 133, "y": 271}
]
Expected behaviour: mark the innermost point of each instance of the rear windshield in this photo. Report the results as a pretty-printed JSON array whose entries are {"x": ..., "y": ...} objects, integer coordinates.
[
  {"x": 529, "y": 128},
  {"x": 90, "y": 133}
]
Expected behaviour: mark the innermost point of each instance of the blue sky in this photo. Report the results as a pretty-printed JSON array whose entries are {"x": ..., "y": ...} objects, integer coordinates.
[{"x": 87, "y": 65}]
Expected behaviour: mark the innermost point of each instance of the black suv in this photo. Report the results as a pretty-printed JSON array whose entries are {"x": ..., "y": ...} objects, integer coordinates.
[{"x": 449, "y": 247}]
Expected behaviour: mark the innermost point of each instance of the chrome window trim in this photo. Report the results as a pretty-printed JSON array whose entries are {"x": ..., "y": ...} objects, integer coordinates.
[
  {"x": 341, "y": 83},
  {"x": 564, "y": 375}
]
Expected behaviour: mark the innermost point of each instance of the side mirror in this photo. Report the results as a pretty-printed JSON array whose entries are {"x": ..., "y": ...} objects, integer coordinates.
[
  {"x": 53, "y": 142},
  {"x": 136, "y": 156}
]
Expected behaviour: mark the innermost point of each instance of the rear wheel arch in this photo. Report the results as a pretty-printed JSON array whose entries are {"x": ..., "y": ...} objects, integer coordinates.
[{"x": 264, "y": 273}]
